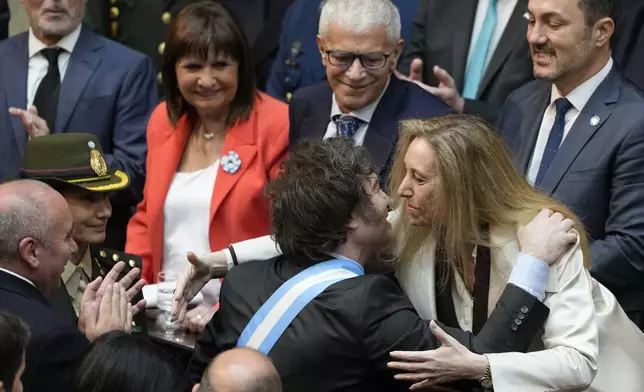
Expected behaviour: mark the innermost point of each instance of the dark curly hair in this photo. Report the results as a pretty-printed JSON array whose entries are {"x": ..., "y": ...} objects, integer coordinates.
[{"x": 313, "y": 198}]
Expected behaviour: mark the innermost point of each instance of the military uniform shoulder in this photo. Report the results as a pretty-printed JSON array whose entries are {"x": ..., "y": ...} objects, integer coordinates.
[{"x": 105, "y": 259}]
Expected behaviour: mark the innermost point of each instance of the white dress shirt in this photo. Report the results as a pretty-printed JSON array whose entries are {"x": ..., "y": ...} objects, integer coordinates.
[
  {"x": 38, "y": 64},
  {"x": 365, "y": 114},
  {"x": 578, "y": 98},
  {"x": 504, "y": 9},
  {"x": 186, "y": 222}
]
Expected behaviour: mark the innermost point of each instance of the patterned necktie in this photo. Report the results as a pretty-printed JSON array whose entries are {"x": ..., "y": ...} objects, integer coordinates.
[
  {"x": 347, "y": 125},
  {"x": 554, "y": 139},
  {"x": 46, "y": 99},
  {"x": 477, "y": 62}
]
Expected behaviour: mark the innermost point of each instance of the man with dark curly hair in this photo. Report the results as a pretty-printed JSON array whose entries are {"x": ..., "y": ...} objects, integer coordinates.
[{"x": 325, "y": 324}]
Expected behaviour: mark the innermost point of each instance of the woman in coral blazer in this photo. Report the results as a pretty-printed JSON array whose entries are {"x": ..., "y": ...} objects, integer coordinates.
[{"x": 212, "y": 147}]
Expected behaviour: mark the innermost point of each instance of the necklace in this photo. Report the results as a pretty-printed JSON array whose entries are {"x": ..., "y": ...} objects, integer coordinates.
[{"x": 208, "y": 136}]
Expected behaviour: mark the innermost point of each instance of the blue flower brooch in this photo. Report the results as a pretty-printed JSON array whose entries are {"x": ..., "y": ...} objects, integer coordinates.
[{"x": 231, "y": 162}]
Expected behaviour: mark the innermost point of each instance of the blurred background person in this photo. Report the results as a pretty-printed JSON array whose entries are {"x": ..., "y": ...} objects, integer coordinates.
[
  {"x": 240, "y": 370},
  {"x": 119, "y": 362},
  {"x": 5, "y": 15},
  {"x": 213, "y": 146},
  {"x": 143, "y": 26},
  {"x": 628, "y": 42},
  {"x": 73, "y": 165},
  {"x": 472, "y": 54},
  {"x": 61, "y": 77},
  {"x": 299, "y": 63},
  {"x": 14, "y": 335}
]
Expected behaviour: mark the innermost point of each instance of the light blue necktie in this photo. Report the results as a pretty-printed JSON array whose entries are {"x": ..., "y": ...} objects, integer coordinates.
[{"x": 476, "y": 63}]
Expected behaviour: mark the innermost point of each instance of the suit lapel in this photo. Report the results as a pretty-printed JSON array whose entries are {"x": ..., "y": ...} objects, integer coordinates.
[
  {"x": 82, "y": 64},
  {"x": 530, "y": 124},
  {"x": 514, "y": 35},
  {"x": 582, "y": 130},
  {"x": 318, "y": 116},
  {"x": 463, "y": 14},
  {"x": 383, "y": 127},
  {"x": 15, "y": 82}
]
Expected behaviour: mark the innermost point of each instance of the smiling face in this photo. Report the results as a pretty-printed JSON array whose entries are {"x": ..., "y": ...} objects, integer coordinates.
[
  {"x": 374, "y": 232},
  {"x": 421, "y": 186},
  {"x": 53, "y": 19},
  {"x": 208, "y": 85},
  {"x": 564, "y": 47},
  {"x": 355, "y": 86},
  {"x": 90, "y": 211}
]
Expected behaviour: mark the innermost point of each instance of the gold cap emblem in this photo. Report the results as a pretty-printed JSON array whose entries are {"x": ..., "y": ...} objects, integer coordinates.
[{"x": 97, "y": 163}]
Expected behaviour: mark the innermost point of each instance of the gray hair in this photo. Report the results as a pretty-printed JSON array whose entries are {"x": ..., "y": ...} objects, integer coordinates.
[
  {"x": 361, "y": 16},
  {"x": 23, "y": 213}
]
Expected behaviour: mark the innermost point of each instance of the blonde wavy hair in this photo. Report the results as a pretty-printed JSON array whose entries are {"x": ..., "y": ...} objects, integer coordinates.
[{"x": 478, "y": 184}]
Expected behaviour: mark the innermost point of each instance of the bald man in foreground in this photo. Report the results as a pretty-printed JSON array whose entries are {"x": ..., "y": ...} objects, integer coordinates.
[{"x": 240, "y": 370}]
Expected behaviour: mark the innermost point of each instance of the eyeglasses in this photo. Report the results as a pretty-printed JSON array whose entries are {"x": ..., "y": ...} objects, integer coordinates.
[{"x": 371, "y": 61}]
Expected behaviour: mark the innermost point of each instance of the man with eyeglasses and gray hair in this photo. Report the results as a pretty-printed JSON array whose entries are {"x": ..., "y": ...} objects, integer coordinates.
[{"x": 360, "y": 44}]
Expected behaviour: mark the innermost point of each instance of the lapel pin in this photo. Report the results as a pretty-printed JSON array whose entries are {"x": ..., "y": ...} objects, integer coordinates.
[
  {"x": 526, "y": 16},
  {"x": 594, "y": 120},
  {"x": 230, "y": 162}
]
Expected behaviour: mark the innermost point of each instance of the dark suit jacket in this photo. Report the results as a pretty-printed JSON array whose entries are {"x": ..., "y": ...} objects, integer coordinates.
[
  {"x": 441, "y": 36},
  {"x": 342, "y": 339},
  {"x": 628, "y": 41},
  {"x": 108, "y": 90},
  {"x": 598, "y": 172},
  {"x": 310, "y": 114},
  {"x": 5, "y": 15},
  {"x": 55, "y": 345}
]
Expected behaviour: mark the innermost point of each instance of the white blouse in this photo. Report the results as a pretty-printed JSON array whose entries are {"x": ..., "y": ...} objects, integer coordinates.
[{"x": 186, "y": 222}]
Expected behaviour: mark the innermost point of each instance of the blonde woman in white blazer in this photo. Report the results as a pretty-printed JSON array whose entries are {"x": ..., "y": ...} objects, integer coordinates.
[{"x": 453, "y": 178}]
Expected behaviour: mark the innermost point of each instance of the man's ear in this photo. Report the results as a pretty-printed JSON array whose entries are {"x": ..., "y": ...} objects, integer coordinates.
[
  {"x": 1, "y": 387},
  {"x": 353, "y": 223},
  {"x": 29, "y": 251},
  {"x": 196, "y": 388}
]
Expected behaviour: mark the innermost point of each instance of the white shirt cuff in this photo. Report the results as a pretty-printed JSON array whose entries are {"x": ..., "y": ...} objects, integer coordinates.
[
  {"x": 531, "y": 275},
  {"x": 229, "y": 259}
]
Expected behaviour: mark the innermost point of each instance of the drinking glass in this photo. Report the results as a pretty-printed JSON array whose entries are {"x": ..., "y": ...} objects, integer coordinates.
[{"x": 166, "y": 283}]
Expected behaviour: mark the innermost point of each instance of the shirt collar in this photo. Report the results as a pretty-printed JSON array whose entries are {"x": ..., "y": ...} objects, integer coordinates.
[
  {"x": 580, "y": 96},
  {"x": 66, "y": 43},
  {"x": 18, "y": 276},
  {"x": 365, "y": 114},
  {"x": 85, "y": 264}
]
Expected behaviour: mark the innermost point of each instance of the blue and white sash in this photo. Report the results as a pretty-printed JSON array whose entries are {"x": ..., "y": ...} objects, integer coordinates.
[{"x": 276, "y": 314}]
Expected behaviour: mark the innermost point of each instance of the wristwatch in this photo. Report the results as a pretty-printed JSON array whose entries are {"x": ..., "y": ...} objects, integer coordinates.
[{"x": 486, "y": 381}]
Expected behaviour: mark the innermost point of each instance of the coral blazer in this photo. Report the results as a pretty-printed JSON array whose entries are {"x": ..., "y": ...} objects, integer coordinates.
[{"x": 238, "y": 208}]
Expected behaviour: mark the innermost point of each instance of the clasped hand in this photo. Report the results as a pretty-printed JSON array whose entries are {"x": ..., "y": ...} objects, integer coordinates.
[{"x": 105, "y": 305}]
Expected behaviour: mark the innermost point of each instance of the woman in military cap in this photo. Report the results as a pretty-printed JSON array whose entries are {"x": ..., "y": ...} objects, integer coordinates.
[{"x": 73, "y": 164}]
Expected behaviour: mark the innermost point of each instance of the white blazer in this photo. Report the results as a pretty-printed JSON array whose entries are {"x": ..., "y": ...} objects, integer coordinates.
[{"x": 588, "y": 342}]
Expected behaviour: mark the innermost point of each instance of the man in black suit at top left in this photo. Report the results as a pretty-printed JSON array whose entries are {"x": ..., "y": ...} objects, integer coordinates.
[
  {"x": 341, "y": 340},
  {"x": 5, "y": 15}
]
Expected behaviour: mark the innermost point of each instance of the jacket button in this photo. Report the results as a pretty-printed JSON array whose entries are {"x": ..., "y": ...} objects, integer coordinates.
[
  {"x": 514, "y": 327},
  {"x": 160, "y": 78},
  {"x": 517, "y": 321},
  {"x": 166, "y": 17},
  {"x": 114, "y": 29},
  {"x": 114, "y": 12},
  {"x": 521, "y": 316},
  {"x": 524, "y": 309},
  {"x": 161, "y": 47}
]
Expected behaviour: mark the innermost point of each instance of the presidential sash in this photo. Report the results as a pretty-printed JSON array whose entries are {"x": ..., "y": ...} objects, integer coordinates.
[{"x": 276, "y": 314}]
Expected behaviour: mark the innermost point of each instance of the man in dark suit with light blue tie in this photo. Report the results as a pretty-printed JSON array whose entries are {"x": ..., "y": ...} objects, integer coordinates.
[
  {"x": 360, "y": 44},
  {"x": 578, "y": 134},
  {"x": 61, "y": 77}
]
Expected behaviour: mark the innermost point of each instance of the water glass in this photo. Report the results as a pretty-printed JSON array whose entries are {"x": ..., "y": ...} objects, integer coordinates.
[{"x": 166, "y": 283}]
